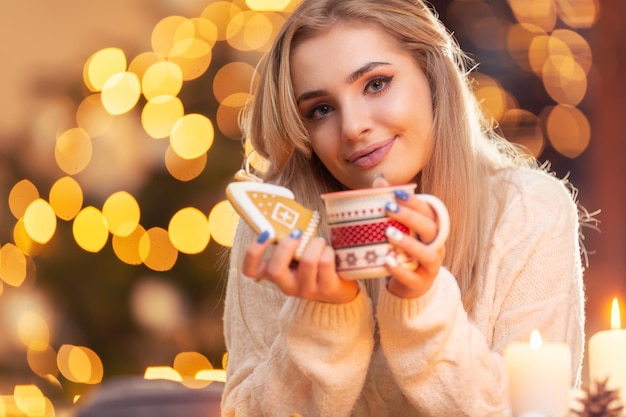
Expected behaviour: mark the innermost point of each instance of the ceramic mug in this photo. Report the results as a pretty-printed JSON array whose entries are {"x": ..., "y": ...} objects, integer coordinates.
[{"x": 358, "y": 221}]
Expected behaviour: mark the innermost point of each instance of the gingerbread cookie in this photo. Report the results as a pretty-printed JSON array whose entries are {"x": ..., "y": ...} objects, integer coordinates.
[{"x": 272, "y": 208}]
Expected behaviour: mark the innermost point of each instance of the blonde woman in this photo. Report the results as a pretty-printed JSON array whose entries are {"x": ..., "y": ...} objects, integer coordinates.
[{"x": 357, "y": 92}]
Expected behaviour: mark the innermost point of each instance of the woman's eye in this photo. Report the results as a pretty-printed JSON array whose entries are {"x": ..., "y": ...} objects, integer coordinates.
[
  {"x": 319, "y": 111},
  {"x": 377, "y": 84}
]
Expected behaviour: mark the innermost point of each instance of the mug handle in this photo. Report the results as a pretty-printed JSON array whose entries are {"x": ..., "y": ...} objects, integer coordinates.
[{"x": 443, "y": 219}]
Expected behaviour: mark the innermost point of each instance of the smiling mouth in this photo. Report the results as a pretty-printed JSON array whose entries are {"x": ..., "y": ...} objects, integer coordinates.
[{"x": 371, "y": 156}]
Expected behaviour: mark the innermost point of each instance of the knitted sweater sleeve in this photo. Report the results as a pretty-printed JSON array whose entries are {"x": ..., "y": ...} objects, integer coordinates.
[
  {"x": 288, "y": 355},
  {"x": 447, "y": 365}
]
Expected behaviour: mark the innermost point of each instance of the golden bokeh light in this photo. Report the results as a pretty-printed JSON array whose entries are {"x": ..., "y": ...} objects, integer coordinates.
[
  {"x": 220, "y": 13},
  {"x": 163, "y": 78},
  {"x": 80, "y": 364},
  {"x": 23, "y": 241},
  {"x": 231, "y": 86},
  {"x": 22, "y": 194},
  {"x": 42, "y": 361},
  {"x": 122, "y": 213},
  {"x": 73, "y": 151},
  {"x": 13, "y": 269},
  {"x": 168, "y": 31},
  {"x": 227, "y": 119},
  {"x": 577, "y": 47},
  {"x": 156, "y": 249},
  {"x": 90, "y": 229},
  {"x": 159, "y": 115},
  {"x": 259, "y": 32},
  {"x": 524, "y": 128},
  {"x": 121, "y": 92},
  {"x": 192, "y": 369},
  {"x": 277, "y": 20},
  {"x": 158, "y": 307},
  {"x": 66, "y": 198},
  {"x": 182, "y": 31},
  {"x": 204, "y": 29},
  {"x": 222, "y": 223},
  {"x": 192, "y": 136},
  {"x": 33, "y": 331},
  {"x": 212, "y": 375},
  {"x": 538, "y": 53},
  {"x": 184, "y": 169},
  {"x": 193, "y": 56},
  {"x": 578, "y": 14},
  {"x": 268, "y": 5},
  {"x": 140, "y": 64},
  {"x": 568, "y": 130},
  {"x": 491, "y": 96},
  {"x": 162, "y": 372},
  {"x": 189, "y": 230},
  {"x": 519, "y": 39},
  {"x": 188, "y": 364},
  {"x": 236, "y": 100},
  {"x": 249, "y": 31},
  {"x": 101, "y": 66},
  {"x": 92, "y": 117},
  {"x": 30, "y": 400},
  {"x": 126, "y": 248},
  {"x": 40, "y": 221},
  {"x": 564, "y": 80},
  {"x": 492, "y": 100},
  {"x": 541, "y": 13},
  {"x": 232, "y": 78}
]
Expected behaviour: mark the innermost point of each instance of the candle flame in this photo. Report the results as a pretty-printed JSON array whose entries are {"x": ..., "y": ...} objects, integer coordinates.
[
  {"x": 535, "y": 339},
  {"x": 615, "y": 318}
]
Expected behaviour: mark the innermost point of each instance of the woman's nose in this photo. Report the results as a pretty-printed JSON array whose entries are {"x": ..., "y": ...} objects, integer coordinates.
[{"x": 355, "y": 121}]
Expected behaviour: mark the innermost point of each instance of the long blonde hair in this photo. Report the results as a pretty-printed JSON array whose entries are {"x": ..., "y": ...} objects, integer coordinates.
[{"x": 465, "y": 151}]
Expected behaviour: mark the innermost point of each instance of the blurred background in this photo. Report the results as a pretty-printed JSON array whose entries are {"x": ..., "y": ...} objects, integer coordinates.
[{"x": 118, "y": 134}]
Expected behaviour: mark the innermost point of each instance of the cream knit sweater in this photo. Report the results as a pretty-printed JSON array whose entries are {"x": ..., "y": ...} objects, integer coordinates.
[{"x": 288, "y": 355}]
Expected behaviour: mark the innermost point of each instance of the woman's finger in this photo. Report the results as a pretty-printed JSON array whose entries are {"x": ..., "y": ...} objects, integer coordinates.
[
  {"x": 253, "y": 262},
  {"x": 308, "y": 269},
  {"x": 422, "y": 224},
  {"x": 278, "y": 267}
]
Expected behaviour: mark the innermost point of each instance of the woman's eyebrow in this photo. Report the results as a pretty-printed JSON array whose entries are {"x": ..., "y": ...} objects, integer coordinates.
[
  {"x": 364, "y": 70},
  {"x": 310, "y": 94},
  {"x": 349, "y": 79}
]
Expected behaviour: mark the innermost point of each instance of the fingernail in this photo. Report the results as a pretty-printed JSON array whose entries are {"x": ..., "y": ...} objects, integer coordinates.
[
  {"x": 296, "y": 233},
  {"x": 394, "y": 233},
  {"x": 263, "y": 237},
  {"x": 392, "y": 206},
  {"x": 379, "y": 175},
  {"x": 401, "y": 195},
  {"x": 391, "y": 261}
]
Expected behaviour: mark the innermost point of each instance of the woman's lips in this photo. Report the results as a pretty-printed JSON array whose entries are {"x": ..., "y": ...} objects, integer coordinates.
[{"x": 372, "y": 155}]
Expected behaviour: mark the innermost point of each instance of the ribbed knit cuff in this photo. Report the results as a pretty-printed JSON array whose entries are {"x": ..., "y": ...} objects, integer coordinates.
[
  {"x": 327, "y": 315},
  {"x": 405, "y": 308}
]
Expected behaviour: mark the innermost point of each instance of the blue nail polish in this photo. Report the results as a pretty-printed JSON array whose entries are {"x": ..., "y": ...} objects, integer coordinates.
[
  {"x": 295, "y": 233},
  {"x": 401, "y": 195},
  {"x": 263, "y": 237},
  {"x": 392, "y": 207}
]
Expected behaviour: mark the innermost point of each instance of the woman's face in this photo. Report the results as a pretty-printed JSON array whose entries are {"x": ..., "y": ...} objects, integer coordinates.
[{"x": 365, "y": 103}]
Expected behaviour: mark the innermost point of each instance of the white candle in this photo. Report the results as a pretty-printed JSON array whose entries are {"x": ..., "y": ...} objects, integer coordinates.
[
  {"x": 539, "y": 377},
  {"x": 607, "y": 355}
]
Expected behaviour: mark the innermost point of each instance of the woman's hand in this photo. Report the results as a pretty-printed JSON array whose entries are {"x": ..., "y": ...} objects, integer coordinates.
[
  {"x": 313, "y": 277},
  {"x": 418, "y": 216}
]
